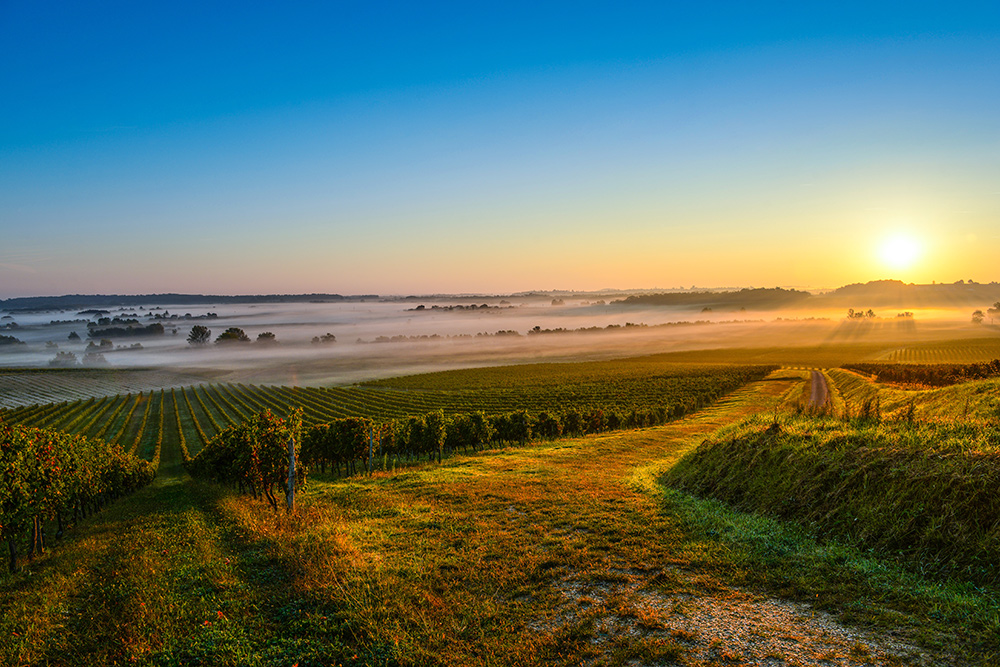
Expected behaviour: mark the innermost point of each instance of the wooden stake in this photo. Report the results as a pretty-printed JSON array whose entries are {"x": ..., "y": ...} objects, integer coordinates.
[{"x": 291, "y": 474}]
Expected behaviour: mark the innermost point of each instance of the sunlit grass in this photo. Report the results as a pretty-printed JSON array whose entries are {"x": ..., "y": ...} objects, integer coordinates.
[{"x": 978, "y": 400}]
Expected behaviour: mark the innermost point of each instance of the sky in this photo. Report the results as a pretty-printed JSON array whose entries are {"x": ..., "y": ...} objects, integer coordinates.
[{"x": 403, "y": 148}]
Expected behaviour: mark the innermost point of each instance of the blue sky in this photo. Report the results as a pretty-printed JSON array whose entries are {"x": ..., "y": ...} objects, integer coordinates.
[{"x": 377, "y": 147}]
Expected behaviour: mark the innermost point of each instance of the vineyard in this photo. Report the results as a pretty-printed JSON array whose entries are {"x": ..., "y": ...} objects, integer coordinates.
[
  {"x": 191, "y": 416},
  {"x": 191, "y": 572},
  {"x": 931, "y": 375},
  {"x": 969, "y": 351},
  {"x": 29, "y": 386},
  {"x": 50, "y": 476}
]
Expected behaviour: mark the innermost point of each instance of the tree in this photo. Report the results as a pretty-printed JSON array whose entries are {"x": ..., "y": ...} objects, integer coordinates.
[
  {"x": 74, "y": 335},
  {"x": 94, "y": 359},
  {"x": 978, "y": 317},
  {"x": 233, "y": 335},
  {"x": 63, "y": 360},
  {"x": 266, "y": 338},
  {"x": 199, "y": 335},
  {"x": 325, "y": 338},
  {"x": 994, "y": 312}
]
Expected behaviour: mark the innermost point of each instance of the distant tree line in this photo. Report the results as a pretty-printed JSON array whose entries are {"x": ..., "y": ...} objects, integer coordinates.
[
  {"x": 155, "y": 329},
  {"x": 73, "y": 301},
  {"x": 165, "y": 315},
  {"x": 472, "y": 307},
  {"x": 761, "y": 298}
]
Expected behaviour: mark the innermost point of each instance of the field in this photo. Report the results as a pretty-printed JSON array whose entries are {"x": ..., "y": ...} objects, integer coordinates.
[
  {"x": 578, "y": 550},
  {"x": 35, "y": 386},
  {"x": 971, "y": 351},
  {"x": 192, "y": 415}
]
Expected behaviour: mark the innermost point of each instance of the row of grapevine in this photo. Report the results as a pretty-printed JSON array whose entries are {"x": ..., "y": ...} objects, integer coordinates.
[
  {"x": 97, "y": 416},
  {"x": 121, "y": 431},
  {"x": 971, "y": 351},
  {"x": 22, "y": 387},
  {"x": 181, "y": 439},
  {"x": 122, "y": 402},
  {"x": 158, "y": 442},
  {"x": 352, "y": 440},
  {"x": 252, "y": 455},
  {"x": 932, "y": 375},
  {"x": 48, "y": 475},
  {"x": 202, "y": 437}
]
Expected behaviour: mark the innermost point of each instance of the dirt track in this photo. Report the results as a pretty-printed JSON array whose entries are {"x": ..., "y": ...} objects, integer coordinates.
[{"x": 819, "y": 394}]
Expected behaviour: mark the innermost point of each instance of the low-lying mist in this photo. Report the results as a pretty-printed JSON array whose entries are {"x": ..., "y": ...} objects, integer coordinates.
[{"x": 386, "y": 338}]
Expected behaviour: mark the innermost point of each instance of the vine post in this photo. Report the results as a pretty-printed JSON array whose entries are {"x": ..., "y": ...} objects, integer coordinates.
[
  {"x": 371, "y": 444},
  {"x": 290, "y": 498}
]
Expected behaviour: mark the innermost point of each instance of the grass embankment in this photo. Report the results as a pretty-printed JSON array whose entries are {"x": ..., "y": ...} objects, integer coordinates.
[
  {"x": 926, "y": 492},
  {"x": 976, "y": 400},
  {"x": 922, "y": 494}
]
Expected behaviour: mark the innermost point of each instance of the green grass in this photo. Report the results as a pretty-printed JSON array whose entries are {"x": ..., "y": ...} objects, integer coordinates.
[{"x": 891, "y": 524}]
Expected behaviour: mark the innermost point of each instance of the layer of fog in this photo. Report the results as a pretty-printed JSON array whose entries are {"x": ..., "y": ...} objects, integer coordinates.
[{"x": 295, "y": 359}]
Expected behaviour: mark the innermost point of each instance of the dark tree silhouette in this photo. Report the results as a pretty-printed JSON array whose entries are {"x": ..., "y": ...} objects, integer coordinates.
[
  {"x": 325, "y": 338},
  {"x": 199, "y": 335},
  {"x": 233, "y": 335},
  {"x": 63, "y": 360}
]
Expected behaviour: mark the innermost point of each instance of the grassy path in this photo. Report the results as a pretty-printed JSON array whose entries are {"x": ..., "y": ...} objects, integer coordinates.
[{"x": 559, "y": 553}]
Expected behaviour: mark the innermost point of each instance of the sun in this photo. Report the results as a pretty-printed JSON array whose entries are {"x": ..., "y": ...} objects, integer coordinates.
[{"x": 899, "y": 251}]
